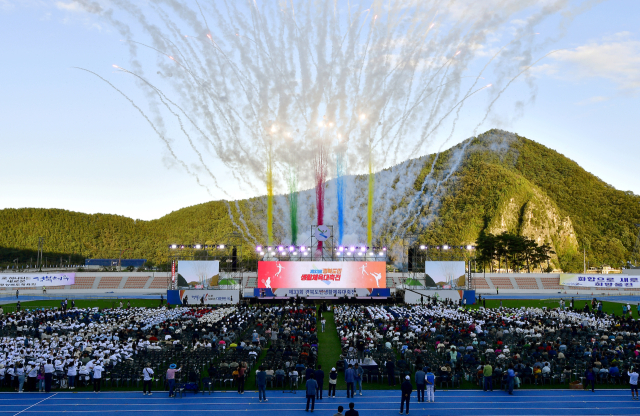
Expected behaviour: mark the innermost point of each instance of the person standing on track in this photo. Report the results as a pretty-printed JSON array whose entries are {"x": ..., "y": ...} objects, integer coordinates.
[
  {"x": 430, "y": 379},
  {"x": 420, "y": 379},
  {"x": 241, "y": 372},
  {"x": 171, "y": 378},
  {"x": 311, "y": 386},
  {"x": 97, "y": 376},
  {"x": 406, "y": 388},
  {"x": 319, "y": 376},
  {"x": 147, "y": 374},
  {"x": 333, "y": 380},
  {"x": 261, "y": 381},
  {"x": 349, "y": 378},
  {"x": 590, "y": 377},
  {"x": 633, "y": 382}
]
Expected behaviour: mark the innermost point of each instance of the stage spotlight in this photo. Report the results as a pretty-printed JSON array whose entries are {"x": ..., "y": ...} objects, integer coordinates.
[
  {"x": 469, "y": 247},
  {"x": 352, "y": 248},
  {"x": 381, "y": 253},
  {"x": 221, "y": 246},
  {"x": 445, "y": 247},
  {"x": 384, "y": 249},
  {"x": 422, "y": 247},
  {"x": 258, "y": 248},
  {"x": 295, "y": 253},
  {"x": 198, "y": 246},
  {"x": 262, "y": 253},
  {"x": 174, "y": 246},
  {"x": 363, "y": 249},
  {"x": 341, "y": 248},
  {"x": 181, "y": 247},
  {"x": 291, "y": 248},
  {"x": 280, "y": 248}
]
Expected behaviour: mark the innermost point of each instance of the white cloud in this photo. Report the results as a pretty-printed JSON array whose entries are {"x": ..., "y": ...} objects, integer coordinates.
[
  {"x": 73, "y": 6},
  {"x": 593, "y": 100},
  {"x": 616, "y": 58}
]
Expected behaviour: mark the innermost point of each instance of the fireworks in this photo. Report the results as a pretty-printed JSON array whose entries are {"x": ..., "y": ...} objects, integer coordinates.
[{"x": 282, "y": 93}]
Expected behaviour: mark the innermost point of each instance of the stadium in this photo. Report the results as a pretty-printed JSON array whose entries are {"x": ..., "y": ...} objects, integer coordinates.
[
  {"x": 294, "y": 322},
  {"x": 320, "y": 206}
]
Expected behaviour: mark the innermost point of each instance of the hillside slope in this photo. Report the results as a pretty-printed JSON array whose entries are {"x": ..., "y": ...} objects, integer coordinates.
[{"x": 496, "y": 182}]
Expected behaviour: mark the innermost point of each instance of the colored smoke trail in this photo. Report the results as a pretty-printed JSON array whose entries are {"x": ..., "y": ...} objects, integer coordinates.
[
  {"x": 293, "y": 204},
  {"x": 370, "y": 206},
  {"x": 340, "y": 191},
  {"x": 321, "y": 173},
  {"x": 269, "y": 199}
]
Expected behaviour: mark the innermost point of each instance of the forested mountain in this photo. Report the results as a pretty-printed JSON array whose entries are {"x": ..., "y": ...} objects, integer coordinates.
[{"x": 496, "y": 182}]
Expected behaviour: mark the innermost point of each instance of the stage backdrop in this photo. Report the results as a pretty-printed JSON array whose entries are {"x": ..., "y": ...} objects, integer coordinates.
[
  {"x": 413, "y": 296},
  {"x": 444, "y": 272},
  {"x": 199, "y": 270},
  {"x": 620, "y": 281},
  {"x": 28, "y": 280},
  {"x": 322, "y": 274},
  {"x": 211, "y": 297}
]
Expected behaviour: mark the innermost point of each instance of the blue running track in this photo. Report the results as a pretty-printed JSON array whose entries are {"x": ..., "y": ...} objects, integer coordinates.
[{"x": 381, "y": 402}]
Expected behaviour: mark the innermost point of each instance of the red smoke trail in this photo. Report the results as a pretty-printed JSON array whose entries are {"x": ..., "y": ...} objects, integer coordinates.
[{"x": 321, "y": 173}]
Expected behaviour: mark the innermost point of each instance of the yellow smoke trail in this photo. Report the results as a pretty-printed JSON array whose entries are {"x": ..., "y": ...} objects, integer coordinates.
[
  {"x": 370, "y": 205},
  {"x": 269, "y": 200}
]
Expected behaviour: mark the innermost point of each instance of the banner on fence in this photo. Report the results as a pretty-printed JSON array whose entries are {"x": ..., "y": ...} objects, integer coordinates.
[
  {"x": 618, "y": 281},
  {"x": 28, "y": 280}
]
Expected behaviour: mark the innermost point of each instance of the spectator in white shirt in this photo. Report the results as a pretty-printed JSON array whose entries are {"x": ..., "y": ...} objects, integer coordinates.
[
  {"x": 147, "y": 374},
  {"x": 97, "y": 376}
]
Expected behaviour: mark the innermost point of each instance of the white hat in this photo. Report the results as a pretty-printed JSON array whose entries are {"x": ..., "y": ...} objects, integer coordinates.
[{"x": 407, "y": 377}]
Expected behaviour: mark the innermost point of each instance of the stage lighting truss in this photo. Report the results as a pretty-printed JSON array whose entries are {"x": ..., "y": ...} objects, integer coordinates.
[
  {"x": 197, "y": 246},
  {"x": 445, "y": 247},
  {"x": 302, "y": 253}
]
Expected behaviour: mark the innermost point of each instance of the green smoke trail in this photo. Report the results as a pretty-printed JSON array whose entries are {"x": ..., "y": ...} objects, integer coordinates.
[{"x": 293, "y": 203}]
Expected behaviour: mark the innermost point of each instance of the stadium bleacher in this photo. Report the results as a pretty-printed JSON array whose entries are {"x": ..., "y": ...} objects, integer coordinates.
[
  {"x": 159, "y": 282},
  {"x": 502, "y": 282},
  {"x": 83, "y": 282},
  {"x": 110, "y": 282},
  {"x": 136, "y": 282}
]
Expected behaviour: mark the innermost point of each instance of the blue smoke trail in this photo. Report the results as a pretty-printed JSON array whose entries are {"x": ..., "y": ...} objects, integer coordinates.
[{"x": 340, "y": 189}]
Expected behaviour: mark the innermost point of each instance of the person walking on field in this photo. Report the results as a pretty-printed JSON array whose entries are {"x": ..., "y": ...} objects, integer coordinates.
[
  {"x": 311, "y": 386},
  {"x": 407, "y": 389}
]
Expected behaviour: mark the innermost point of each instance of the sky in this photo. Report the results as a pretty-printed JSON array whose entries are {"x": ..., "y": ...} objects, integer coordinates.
[{"x": 70, "y": 142}]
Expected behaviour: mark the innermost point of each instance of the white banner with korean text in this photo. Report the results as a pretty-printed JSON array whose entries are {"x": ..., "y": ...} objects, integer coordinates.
[
  {"x": 27, "y": 280},
  {"x": 616, "y": 281}
]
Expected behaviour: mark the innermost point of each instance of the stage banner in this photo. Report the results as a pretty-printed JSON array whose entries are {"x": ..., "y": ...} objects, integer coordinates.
[
  {"x": 414, "y": 296},
  {"x": 322, "y": 274},
  {"x": 28, "y": 280},
  {"x": 211, "y": 297},
  {"x": 321, "y": 293},
  {"x": 612, "y": 281}
]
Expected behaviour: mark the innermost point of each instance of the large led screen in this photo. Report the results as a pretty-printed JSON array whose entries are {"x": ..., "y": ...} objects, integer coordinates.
[
  {"x": 444, "y": 272},
  {"x": 322, "y": 274}
]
